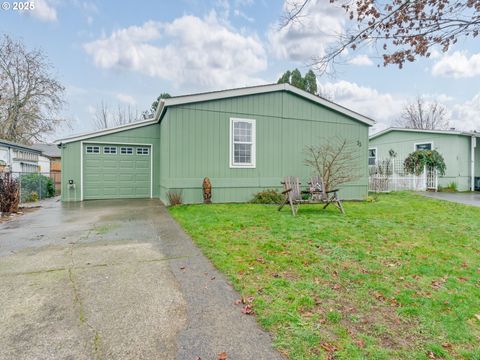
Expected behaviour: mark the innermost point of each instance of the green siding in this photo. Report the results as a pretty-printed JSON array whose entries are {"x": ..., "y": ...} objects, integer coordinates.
[
  {"x": 454, "y": 148},
  {"x": 71, "y": 157},
  {"x": 192, "y": 142},
  {"x": 195, "y": 144}
]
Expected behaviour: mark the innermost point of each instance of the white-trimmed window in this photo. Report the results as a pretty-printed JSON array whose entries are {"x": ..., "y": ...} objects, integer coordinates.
[
  {"x": 110, "y": 150},
  {"x": 372, "y": 156},
  {"x": 242, "y": 143},
  {"x": 143, "y": 150},
  {"x": 92, "y": 149},
  {"x": 424, "y": 146},
  {"x": 126, "y": 150}
]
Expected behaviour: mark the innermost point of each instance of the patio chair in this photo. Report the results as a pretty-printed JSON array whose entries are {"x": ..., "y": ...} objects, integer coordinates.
[
  {"x": 292, "y": 193},
  {"x": 318, "y": 193}
]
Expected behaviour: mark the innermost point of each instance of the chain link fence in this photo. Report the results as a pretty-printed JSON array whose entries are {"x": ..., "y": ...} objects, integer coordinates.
[{"x": 35, "y": 186}]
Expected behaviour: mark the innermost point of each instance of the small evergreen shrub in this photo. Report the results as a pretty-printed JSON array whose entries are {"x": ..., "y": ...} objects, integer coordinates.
[
  {"x": 416, "y": 161},
  {"x": 268, "y": 196},
  {"x": 451, "y": 187}
]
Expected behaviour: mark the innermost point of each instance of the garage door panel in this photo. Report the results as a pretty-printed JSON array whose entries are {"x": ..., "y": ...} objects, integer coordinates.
[
  {"x": 126, "y": 177},
  {"x": 109, "y": 176}
]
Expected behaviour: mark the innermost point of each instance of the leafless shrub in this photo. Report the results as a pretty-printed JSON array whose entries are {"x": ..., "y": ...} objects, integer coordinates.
[
  {"x": 336, "y": 160},
  {"x": 175, "y": 198},
  {"x": 9, "y": 193}
]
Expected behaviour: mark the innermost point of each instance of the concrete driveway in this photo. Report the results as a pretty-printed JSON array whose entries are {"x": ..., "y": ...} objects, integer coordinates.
[
  {"x": 115, "y": 280},
  {"x": 469, "y": 198}
]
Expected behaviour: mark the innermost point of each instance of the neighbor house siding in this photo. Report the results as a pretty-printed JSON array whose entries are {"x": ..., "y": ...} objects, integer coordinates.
[
  {"x": 195, "y": 144},
  {"x": 71, "y": 162},
  {"x": 455, "y": 149}
]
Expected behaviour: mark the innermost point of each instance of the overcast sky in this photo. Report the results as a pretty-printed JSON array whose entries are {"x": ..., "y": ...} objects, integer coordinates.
[{"x": 128, "y": 52}]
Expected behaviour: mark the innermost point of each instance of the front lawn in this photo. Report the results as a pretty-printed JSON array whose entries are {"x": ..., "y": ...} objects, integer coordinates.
[{"x": 395, "y": 278}]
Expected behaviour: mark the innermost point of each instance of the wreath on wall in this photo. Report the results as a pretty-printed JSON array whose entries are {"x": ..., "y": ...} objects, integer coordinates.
[{"x": 416, "y": 161}]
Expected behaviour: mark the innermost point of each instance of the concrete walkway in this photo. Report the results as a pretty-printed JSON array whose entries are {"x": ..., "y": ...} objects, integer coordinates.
[
  {"x": 115, "y": 280},
  {"x": 470, "y": 198}
]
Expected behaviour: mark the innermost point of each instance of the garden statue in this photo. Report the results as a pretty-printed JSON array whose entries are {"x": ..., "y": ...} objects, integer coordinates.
[{"x": 207, "y": 191}]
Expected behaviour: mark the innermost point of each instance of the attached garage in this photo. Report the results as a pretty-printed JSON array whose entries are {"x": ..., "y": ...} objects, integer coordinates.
[{"x": 114, "y": 171}]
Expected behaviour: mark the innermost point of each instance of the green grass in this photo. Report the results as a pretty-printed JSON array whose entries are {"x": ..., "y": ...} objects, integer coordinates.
[{"x": 397, "y": 278}]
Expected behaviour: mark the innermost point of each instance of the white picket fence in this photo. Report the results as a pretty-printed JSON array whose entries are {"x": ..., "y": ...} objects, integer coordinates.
[{"x": 390, "y": 175}]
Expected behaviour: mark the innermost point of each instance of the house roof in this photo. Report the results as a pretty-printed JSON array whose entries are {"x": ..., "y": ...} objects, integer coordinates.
[
  {"x": 445, "y": 132},
  {"x": 18, "y": 146},
  {"x": 222, "y": 94},
  {"x": 49, "y": 150}
]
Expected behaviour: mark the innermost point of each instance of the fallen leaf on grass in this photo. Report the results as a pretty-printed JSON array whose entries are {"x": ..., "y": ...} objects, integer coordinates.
[
  {"x": 248, "y": 310},
  {"x": 328, "y": 347},
  {"x": 360, "y": 343},
  {"x": 447, "y": 346},
  {"x": 222, "y": 356},
  {"x": 431, "y": 355},
  {"x": 437, "y": 284},
  {"x": 336, "y": 287},
  {"x": 477, "y": 316}
]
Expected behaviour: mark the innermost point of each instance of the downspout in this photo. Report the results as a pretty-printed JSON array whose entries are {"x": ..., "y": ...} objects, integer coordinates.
[{"x": 473, "y": 145}]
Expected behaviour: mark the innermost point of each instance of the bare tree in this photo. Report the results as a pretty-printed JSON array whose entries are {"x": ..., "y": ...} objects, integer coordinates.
[
  {"x": 336, "y": 160},
  {"x": 422, "y": 114},
  {"x": 30, "y": 97},
  {"x": 106, "y": 117},
  {"x": 400, "y": 30}
]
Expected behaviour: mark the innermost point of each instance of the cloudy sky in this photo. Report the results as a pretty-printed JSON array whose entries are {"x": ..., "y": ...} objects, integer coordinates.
[{"x": 127, "y": 52}]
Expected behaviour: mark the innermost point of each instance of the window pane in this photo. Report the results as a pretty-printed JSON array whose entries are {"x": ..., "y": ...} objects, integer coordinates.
[
  {"x": 242, "y": 153},
  {"x": 371, "y": 161},
  {"x": 424, "y": 146},
  {"x": 242, "y": 131},
  {"x": 372, "y": 152}
]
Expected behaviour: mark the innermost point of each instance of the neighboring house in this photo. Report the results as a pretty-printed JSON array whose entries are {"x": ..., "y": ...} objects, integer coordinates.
[
  {"x": 244, "y": 140},
  {"x": 20, "y": 158},
  {"x": 52, "y": 155},
  {"x": 462, "y": 156}
]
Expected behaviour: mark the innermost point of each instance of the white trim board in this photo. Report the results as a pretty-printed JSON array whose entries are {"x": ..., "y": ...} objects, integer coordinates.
[
  {"x": 118, "y": 143},
  {"x": 216, "y": 95},
  {"x": 445, "y": 132},
  {"x": 253, "y": 164}
]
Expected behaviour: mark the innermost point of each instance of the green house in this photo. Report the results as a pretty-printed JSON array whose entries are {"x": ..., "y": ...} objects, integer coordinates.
[
  {"x": 244, "y": 140},
  {"x": 459, "y": 150}
]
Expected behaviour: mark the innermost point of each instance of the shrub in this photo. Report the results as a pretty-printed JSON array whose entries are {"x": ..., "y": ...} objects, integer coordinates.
[
  {"x": 9, "y": 193},
  {"x": 174, "y": 198},
  {"x": 417, "y": 160},
  {"x": 40, "y": 184},
  {"x": 451, "y": 187},
  {"x": 31, "y": 197},
  {"x": 268, "y": 196}
]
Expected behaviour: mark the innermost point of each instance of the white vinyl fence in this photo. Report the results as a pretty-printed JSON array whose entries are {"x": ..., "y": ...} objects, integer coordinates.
[{"x": 390, "y": 175}]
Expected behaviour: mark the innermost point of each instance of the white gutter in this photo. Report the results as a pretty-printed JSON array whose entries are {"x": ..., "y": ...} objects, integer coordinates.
[{"x": 473, "y": 145}]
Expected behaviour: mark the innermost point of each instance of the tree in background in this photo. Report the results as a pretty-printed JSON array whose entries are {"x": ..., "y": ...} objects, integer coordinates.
[
  {"x": 30, "y": 96},
  {"x": 107, "y": 117},
  {"x": 401, "y": 30},
  {"x": 425, "y": 115},
  {"x": 294, "y": 78},
  {"x": 150, "y": 113}
]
